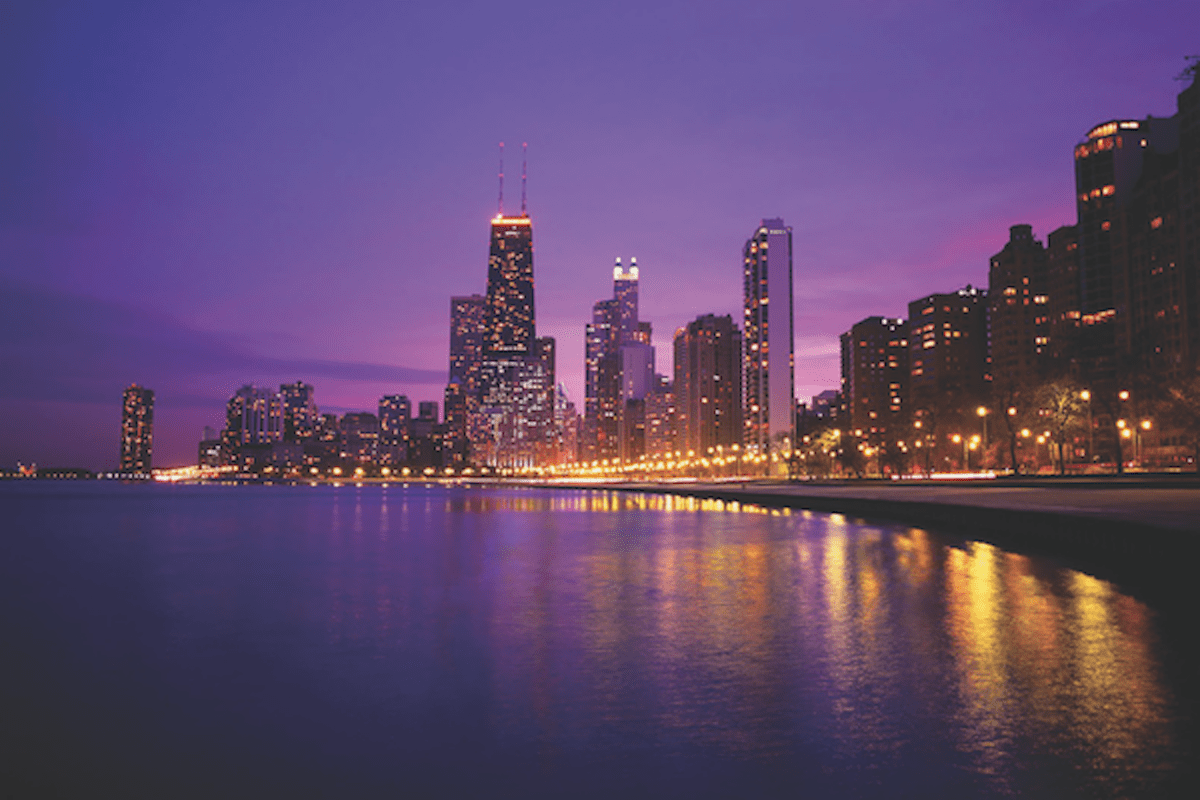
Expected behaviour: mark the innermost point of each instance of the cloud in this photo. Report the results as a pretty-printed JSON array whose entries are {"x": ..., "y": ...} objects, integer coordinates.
[{"x": 58, "y": 346}]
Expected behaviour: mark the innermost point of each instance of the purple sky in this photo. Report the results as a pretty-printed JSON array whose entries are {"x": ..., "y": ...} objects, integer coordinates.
[{"x": 198, "y": 198}]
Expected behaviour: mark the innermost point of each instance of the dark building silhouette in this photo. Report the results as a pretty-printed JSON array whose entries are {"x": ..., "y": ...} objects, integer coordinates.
[
  {"x": 875, "y": 376},
  {"x": 137, "y": 430},
  {"x": 708, "y": 390},
  {"x": 1019, "y": 310},
  {"x": 1109, "y": 165},
  {"x": 360, "y": 438},
  {"x": 948, "y": 351},
  {"x": 1065, "y": 306}
]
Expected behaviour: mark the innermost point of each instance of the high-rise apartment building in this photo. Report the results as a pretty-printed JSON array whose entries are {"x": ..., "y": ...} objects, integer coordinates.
[
  {"x": 660, "y": 418},
  {"x": 299, "y": 411},
  {"x": 1018, "y": 296},
  {"x": 875, "y": 376},
  {"x": 253, "y": 416},
  {"x": 948, "y": 352},
  {"x": 1109, "y": 165},
  {"x": 360, "y": 437},
  {"x": 137, "y": 430},
  {"x": 395, "y": 417},
  {"x": 768, "y": 364},
  {"x": 708, "y": 380},
  {"x": 601, "y": 383},
  {"x": 1064, "y": 308}
]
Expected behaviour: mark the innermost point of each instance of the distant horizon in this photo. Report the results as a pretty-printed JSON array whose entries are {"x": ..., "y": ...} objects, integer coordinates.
[{"x": 202, "y": 198}]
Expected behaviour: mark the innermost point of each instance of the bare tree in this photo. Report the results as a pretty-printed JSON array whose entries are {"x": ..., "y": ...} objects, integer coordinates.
[
  {"x": 1178, "y": 406},
  {"x": 1060, "y": 406}
]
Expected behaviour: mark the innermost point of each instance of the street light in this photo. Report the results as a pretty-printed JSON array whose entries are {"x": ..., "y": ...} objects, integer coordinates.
[
  {"x": 1139, "y": 433},
  {"x": 1086, "y": 396},
  {"x": 983, "y": 415}
]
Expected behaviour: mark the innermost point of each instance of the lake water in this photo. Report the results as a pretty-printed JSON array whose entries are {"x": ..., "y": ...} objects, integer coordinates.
[{"x": 447, "y": 641}]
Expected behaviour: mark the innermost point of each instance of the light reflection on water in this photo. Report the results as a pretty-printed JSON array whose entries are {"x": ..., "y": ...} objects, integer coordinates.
[{"x": 552, "y": 637}]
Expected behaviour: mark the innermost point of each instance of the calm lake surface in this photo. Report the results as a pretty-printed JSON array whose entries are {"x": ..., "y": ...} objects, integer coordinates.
[{"x": 447, "y": 641}]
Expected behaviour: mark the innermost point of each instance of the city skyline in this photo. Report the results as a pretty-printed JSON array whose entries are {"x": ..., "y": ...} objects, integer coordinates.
[{"x": 183, "y": 227}]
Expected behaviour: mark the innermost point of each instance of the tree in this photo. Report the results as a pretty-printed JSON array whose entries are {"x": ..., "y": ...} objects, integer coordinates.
[
  {"x": 1178, "y": 405},
  {"x": 1013, "y": 400},
  {"x": 1060, "y": 406}
]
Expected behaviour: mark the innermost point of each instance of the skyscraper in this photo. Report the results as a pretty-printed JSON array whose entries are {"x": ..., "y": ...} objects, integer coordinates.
[
  {"x": 619, "y": 364},
  {"x": 509, "y": 406},
  {"x": 768, "y": 364},
  {"x": 137, "y": 430},
  {"x": 468, "y": 324}
]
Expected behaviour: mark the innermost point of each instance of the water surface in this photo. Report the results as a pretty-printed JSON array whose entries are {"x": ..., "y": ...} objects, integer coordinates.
[{"x": 422, "y": 641}]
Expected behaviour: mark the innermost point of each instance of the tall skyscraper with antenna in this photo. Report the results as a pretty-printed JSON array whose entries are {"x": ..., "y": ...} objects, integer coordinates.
[
  {"x": 512, "y": 423},
  {"x": 511, "y": 326}
]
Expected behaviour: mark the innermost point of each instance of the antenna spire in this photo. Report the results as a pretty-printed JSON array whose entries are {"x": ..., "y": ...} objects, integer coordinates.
[
  {"x": 524, "y": 161},
  {"x": 501, "y": 201}
]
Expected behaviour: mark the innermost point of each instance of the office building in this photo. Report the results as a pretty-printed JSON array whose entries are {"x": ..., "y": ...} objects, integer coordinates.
[
  {"x": 619, "y": 372},
  {"x": 768, "y": 366},
  {"x": 137, "y": 430}
]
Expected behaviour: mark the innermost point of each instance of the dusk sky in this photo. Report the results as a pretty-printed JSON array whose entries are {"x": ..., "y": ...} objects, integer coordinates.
[{"x": 199, "y": 196}]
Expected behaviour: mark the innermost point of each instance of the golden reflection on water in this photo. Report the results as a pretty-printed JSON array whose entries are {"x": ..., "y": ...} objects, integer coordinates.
[{"x": 726, "y": 622}]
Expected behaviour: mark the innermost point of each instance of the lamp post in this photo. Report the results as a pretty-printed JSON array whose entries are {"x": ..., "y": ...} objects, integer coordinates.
[
  {"x": 983, "y": 415},
  {"x": 1086, "y": 397},
  {"x": 1139, "y": 432}
]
